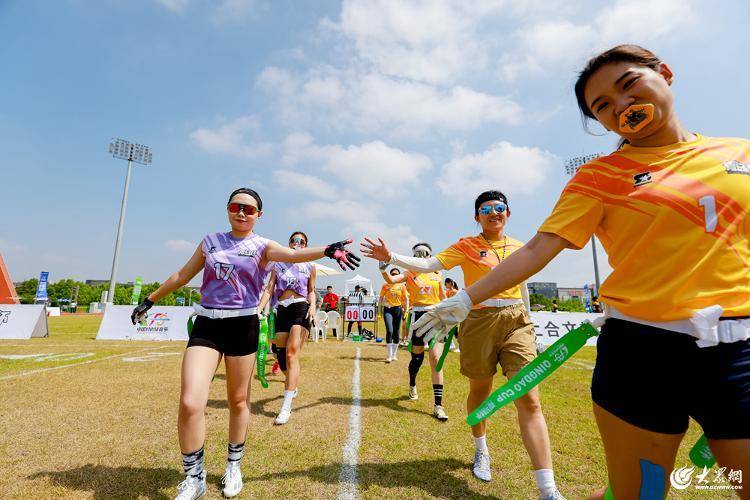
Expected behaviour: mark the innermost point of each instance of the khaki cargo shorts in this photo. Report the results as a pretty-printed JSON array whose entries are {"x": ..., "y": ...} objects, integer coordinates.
[{"x": 493, "y": 335}]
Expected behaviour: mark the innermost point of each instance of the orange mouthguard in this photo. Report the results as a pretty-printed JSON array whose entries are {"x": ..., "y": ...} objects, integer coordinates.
[{"x": 636, "y": 117}]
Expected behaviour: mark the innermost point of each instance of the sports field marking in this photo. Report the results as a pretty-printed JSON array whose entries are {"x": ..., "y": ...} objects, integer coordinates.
[
  {"x": 348, "y": 474},
  {"x": 39, "y": 358},
  {"x": 152, "y": 356},
  {"x": 41, "y": 370}
]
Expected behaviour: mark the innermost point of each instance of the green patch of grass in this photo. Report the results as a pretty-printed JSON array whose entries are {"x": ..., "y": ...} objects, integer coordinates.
[{"x": 108, "y": 429}]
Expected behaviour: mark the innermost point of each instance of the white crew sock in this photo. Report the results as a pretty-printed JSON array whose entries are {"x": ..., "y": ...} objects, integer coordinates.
[
  {"x": 545, "y": 481},
  {"x": 480, "y": 443},
  {"x": 288, "y": 396},
  {"x": 390, "y": 350}
]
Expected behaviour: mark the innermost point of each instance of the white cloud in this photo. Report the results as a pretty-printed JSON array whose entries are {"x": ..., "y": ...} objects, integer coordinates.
[
  {"x": 235, "y": 138},
  {"x": 369, "y": 102},
  {"x": 373, "y": 170},
  {"x": 174, "y": 5},
  {"x": 8, "y": 246},
  {"x": 310, "y": 184},
  {"x": 180, "y": 245},
  {"x": 235, "y": 10},
  {"x": 561, "y": 44},
  {"x": 341, "y": 210},
  {"x": 512, "y": 169},
  {"x": 426, "y": 40}
]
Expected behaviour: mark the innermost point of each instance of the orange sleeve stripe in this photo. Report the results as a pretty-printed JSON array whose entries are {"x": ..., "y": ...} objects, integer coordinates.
[
  {"x": 696, "y": 190},
  {"x": 623, "y": 202}
]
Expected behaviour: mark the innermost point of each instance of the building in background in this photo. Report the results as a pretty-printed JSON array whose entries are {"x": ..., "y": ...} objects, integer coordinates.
[
  {"x": 573, "y": 293},
  {"x": 549, "y": 290}
]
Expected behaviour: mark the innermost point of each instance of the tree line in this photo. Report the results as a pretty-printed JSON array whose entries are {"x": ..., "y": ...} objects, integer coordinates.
[{"x": 61, "y": 292}]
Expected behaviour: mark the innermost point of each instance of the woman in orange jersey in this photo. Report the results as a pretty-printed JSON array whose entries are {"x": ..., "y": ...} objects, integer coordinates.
[
  {"x": 395, "y": 301},
  {"x": 424, "y": 290},
  {"x": 451, "y": 288},
  {"x": 671, "y": 208},
  {"x": 497, "y": 331}
]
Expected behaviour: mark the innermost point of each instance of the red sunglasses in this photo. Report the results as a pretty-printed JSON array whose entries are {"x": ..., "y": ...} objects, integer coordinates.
[{"x": 246, "y": 209}]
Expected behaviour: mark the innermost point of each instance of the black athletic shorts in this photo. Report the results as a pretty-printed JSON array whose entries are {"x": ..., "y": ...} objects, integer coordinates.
[
  {"x": 293, "y": 314},
  {"x": 655, "y": 379},
  {"x": 230, "y": 336},
  {"x": 417, "y": 341}
]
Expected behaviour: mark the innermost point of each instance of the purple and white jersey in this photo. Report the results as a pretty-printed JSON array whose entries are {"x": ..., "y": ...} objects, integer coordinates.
[
  {"x": 293, "y": 277},
  {"x": 232, "y": 276}
]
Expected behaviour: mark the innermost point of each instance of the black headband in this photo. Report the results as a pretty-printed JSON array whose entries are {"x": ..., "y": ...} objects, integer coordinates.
[{"x": 249, "y": 191}]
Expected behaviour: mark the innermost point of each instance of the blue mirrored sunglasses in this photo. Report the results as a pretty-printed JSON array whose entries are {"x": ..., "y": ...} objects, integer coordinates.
[{"x": 488, "y": 209}]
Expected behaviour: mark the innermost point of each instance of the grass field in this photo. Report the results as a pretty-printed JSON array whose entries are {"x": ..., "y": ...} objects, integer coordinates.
[{"x": 97, "y": 419}]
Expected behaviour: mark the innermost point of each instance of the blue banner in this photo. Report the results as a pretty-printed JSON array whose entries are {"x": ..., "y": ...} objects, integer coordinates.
[{"x": 41, "y": 289}]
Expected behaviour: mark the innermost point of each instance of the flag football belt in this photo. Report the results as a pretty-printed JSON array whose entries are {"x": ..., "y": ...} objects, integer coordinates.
[
  {"x": 224, "y": 313},
  {"x": 501, "y": 302},
  {"x": 727, "y": 330},
  {"x": 291, "y": 300}
]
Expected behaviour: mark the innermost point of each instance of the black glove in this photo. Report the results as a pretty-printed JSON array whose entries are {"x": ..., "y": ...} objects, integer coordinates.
[
  {"x": 139, "y": 313},
  {"x": 338, "y": 252}
]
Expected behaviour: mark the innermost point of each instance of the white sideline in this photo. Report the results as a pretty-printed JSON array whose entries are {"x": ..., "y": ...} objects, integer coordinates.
[
  {"x": 8, "y": 377},
  {"x": 348, "y": 476}
]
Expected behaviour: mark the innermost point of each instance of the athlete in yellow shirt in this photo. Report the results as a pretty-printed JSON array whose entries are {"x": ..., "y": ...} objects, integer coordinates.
[
  {"x": 424, "y": 290},
  {"x": 671, "y": 209},
  {"x": 395, "y": 301},
  {"x": 497, "y": 331}
]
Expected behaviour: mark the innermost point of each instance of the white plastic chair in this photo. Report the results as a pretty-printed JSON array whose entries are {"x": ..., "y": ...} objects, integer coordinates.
[
  {"x": 334, "y": 321},
  {"x": 321, "y": 319}
]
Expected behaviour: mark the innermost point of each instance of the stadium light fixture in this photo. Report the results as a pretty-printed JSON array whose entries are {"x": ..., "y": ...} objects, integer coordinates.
[
  {"x": 124, "y": 150},
  {"x": 571, "y": 167}
]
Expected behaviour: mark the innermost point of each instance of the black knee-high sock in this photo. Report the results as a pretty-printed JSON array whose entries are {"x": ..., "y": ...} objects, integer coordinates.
[
  {"x": 281, "y": 358},
  {"x": 437, "y": 390},
  {"x": 414, "y": 365}
]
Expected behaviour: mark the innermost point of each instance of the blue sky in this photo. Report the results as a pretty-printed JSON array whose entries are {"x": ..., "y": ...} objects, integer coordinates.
[{"x": 350, "y": 118}]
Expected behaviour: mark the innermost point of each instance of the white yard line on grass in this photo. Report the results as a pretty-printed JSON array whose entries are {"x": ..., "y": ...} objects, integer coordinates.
[
  {"x": 31, "y": 372},
  {"x": 348, "y": 476}
]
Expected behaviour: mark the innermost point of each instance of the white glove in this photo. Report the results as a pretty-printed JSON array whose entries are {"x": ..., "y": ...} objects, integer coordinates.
[{"x": 444, "y": 316}]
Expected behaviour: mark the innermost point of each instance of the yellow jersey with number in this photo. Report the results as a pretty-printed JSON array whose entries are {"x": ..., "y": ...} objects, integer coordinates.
[
  {"x": 393, "y": 295},
  {"x": 424, "y": 289},
  {"x": 674, "y": 222},
  {"x": 477, "y": 256}
]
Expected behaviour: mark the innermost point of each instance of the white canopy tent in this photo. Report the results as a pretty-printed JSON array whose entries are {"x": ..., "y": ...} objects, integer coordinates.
[
  {"x": 322, "y": 270},
  {"x": 362, "y": 282}
]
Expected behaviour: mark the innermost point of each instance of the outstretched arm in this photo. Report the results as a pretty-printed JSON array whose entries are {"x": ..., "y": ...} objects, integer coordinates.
[
  {"x": 519, "y": 266},
  {"x": 181, "y": 277},
  {"x": 336, "y": 251},
  {"x": 379, "y": 251}
]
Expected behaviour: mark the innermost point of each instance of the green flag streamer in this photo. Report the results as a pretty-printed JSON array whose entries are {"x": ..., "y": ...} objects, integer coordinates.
[
  {"x": 262, "y": 349},
  {"x": 446, "y": 348},
  {"x": 700, "y": 453},
  {"x": 408, "y": 328},
  {"x": 272, "y": 325},
  {"x": 190, "y": 324},
  {"x": 532, "y": 374}
]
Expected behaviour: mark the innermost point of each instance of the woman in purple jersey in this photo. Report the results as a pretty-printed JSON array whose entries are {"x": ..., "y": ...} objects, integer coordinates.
[
  {"x": 234, "y": 266},
  {"x": 293, "y": 287}
]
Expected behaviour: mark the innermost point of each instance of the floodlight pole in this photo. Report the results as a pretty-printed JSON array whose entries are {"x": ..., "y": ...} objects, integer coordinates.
[
  {"x": 571, "y": 167},
  {"x": 124, "y": 150},
  {"x": 112, "y": 275}
]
